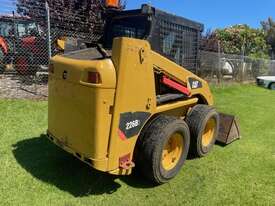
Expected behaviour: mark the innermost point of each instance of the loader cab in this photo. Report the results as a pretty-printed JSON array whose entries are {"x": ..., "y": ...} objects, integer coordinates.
[
  {"x": 174, "y": 37},
  {"x": 131, "y": 24},
  {"x": 18, "y": 27},
  {"x": 17, "y": 34}
]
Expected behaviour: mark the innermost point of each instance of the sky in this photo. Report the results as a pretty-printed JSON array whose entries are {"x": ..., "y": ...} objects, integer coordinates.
[
  {"x": 216, "y": 13},
  {"x": 212, "y": 13},
  {"x": 6, "y": 6}
]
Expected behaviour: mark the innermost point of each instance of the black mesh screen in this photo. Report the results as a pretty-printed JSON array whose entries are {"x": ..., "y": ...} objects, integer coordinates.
[
  {"x": 133, "y": 27},
  {"x": 178, "y": 43},
  {"x": 172, "y": 36}
]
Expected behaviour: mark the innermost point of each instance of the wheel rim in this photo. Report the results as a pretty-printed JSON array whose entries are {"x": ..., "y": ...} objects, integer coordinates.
[
  {"x": 208, "y": 133},
  {"x": 272, "y": 87},
  {"x": 172, "y": 151},
  {"x": 22, "y": 65}
]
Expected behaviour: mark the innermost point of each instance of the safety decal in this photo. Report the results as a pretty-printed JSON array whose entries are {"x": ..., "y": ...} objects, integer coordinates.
[{"x": 130, "y": 124}]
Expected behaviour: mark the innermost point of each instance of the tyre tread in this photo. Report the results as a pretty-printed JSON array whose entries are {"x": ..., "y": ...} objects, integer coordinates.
[
  {"x": 195, "y": 120},
  {"x": 150, "y": 141}
]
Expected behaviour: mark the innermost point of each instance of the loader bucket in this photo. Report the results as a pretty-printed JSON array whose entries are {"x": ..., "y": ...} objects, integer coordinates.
[{"x": 229, "y": 129}]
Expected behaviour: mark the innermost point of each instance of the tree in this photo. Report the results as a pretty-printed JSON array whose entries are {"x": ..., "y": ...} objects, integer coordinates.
[
  {"x": 79, "y": 17},
  {"x": 269, "y": 29},
  {"x": 210, "y": 41},
  {"x": 238, "y": 39}
]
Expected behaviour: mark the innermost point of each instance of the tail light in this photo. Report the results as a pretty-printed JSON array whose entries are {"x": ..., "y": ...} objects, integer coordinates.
[
  {"x": 51, "y": 68},
  {"x": 94, "y": 78}
]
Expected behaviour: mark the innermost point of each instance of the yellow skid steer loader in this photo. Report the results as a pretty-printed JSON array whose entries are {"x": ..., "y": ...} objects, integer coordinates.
[{"x": 128, "y": 102}]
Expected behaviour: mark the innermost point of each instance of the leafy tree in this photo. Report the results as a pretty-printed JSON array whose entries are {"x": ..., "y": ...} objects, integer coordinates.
[
  {"x": 269, "y": 29},
  {"x": 210, "y": 41},
  {"x": 238, "y": 39},
  {"x": 75, "y": 16}
]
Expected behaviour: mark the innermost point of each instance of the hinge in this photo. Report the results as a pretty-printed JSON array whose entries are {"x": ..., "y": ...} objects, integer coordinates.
[{"x": 141, "y": 55}]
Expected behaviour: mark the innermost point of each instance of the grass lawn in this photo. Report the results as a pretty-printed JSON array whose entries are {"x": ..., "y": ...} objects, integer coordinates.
[{"x": 33, "y": 171}]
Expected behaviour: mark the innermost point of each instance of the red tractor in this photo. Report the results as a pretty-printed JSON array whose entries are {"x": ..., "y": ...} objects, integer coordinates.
[
  {"x": 6, "y": 29},
  {"x": 3, "y": 53},
  {"x": 21, "y": 41}
]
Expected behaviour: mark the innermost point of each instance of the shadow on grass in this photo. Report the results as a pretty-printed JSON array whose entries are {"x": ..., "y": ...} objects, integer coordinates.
[{"x": 50, "y": 164}]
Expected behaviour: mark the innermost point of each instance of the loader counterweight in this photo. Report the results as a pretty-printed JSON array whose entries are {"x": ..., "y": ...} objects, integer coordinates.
[{"x": 79, "y": 111}]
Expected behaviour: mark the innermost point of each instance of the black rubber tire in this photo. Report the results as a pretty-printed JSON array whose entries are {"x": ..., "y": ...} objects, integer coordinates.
[
  {"x": 150, "y": 147},
  {"x": 29, "y": 68},
  {"x": 271, "y": 86},
  {"x": 197, "y": 119},
  {"x": 2, "y": 66}
]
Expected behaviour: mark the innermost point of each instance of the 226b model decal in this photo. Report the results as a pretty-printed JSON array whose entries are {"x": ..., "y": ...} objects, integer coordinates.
[{"x": 130, "y": 123}]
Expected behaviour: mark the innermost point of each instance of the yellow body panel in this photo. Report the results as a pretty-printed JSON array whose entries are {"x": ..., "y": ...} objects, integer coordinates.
[
  {"x": 179, "y": 73},
  {"x": 79, "y": 115},
  {"x": 135, "y": 91},
  {"x": 61, "y": 43},
  {"x": 85, "y": 119}
]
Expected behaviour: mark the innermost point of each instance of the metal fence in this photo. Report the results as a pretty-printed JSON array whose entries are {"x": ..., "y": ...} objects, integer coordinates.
[
  {"x": 31, "y": 33},
  {"x": 24, "y": 54},
  {"x": 27, "y": 43},
  {"x": 222, "y": 68}
]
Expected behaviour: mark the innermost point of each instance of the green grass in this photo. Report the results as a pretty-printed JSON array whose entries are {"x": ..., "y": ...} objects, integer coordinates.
[{"x": 35, "y": 172}]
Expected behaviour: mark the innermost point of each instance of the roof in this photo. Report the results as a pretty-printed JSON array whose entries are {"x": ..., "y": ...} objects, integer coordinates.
[
  {"x": 14, "y": 17},
  {"x": 176, "y": 19},
  {"x": 157, "y": 13}
]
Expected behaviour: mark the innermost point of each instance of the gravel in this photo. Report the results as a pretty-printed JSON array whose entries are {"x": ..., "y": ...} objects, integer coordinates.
[{"x": 22, "y": 87}]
